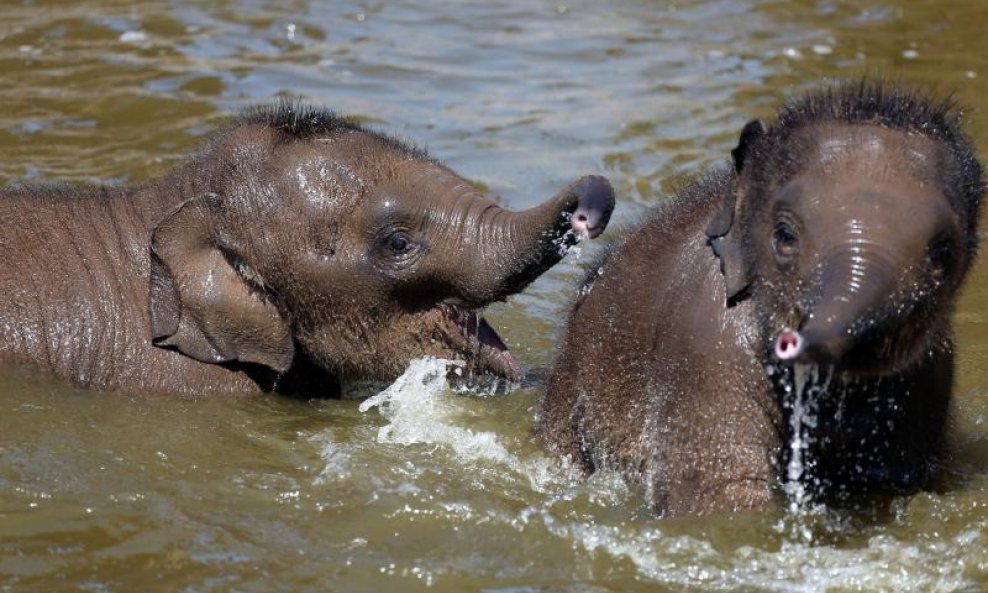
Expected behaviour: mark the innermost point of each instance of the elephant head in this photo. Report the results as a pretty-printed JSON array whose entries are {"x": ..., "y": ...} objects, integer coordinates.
[
  {"x": 850, "y": 225},
  {"x": 306, "y": 240}
]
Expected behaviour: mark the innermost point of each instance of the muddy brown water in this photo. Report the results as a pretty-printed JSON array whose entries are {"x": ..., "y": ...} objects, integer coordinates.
[{"x": 432, "y": 490}]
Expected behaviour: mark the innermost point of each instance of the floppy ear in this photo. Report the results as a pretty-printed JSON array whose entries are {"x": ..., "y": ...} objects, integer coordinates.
[
  {"x": 753, "y": 130},
  {"x": 201, "y": 305},
  {"x": 724, "y": 238}
]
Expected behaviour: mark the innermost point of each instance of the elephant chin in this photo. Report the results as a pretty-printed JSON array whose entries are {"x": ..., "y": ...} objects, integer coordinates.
[{"x": 481, "y": 346}]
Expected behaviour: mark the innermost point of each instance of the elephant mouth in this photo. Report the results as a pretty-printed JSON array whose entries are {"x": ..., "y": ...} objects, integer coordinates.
[{"x": 483, "y": 348}]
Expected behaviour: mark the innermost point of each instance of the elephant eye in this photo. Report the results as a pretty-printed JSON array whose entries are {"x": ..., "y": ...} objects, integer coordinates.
[
  {"x": 940, "y": 256},
  {"x": 400, "y": 242},
  {"x": 784, "y": 240}
]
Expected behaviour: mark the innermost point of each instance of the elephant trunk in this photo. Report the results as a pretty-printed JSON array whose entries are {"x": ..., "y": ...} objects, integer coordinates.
[
  {"x": 520, "y": 246},
  {"x": 854, "y": 289}
]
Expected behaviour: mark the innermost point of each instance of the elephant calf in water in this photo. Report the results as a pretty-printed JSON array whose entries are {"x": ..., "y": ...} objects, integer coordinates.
[
  {"x": 295, "y": 251},
  {"x": 833, "y": 249}
]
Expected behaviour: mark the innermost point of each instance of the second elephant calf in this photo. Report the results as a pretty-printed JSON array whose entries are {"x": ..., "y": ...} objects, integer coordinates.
[{"x": 807, "y": 291}]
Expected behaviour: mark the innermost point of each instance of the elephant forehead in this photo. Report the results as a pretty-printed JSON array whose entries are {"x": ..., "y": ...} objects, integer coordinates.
[
  {"x": 432, "y": 192},
  {"x": 870, "y": 152},
  {"x": 864, "y": 170},
  {"x": 904, "y": 202},
  {"x": 323, "y": 182},
  {"x": 429, "y": 180},
  {"x": 903, "y": 219},
  {"x": 315, "y": 180}
]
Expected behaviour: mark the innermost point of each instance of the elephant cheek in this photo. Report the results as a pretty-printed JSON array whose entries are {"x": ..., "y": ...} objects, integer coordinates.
[{"x": 368, "y": 345}]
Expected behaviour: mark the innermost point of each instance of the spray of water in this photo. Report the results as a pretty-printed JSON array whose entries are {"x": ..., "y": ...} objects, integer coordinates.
[
  {"x": 802, "y": 394},
  {"x": 420, "y": 408},
  {"x": 569, "y": 242}
]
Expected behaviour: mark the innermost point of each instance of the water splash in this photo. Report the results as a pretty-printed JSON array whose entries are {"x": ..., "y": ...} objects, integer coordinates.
[
  {"x": 421, "y": 408},
  {"x": 802, "y": 413},
  {"x": 569, "y": 242},
  {"x": 801, "y": 397},
  {"x": 417, "y": 412}
]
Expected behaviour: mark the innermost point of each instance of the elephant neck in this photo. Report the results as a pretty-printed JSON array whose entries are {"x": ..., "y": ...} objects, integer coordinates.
[
  {"x": 158, "y": 198},
  {"x": 303, "y": 379},
  {"x": 854, "y": 435}
]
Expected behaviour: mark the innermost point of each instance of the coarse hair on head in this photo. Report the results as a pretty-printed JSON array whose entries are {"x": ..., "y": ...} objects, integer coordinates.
[
  {"x": 878, "y": 102},
  {"x": 297, "y": 121}
]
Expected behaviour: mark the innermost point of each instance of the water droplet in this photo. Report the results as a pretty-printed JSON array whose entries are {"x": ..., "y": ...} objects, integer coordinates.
[{"x": 134, "y": 37}]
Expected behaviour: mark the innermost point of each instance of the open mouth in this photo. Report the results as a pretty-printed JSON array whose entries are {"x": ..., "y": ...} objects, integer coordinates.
[{"x": 482, "y": 347}]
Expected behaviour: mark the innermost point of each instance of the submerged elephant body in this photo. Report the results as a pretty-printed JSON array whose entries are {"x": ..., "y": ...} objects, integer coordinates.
[
  {"x": 808, "y": 289},
  {"x": 295, "y": 251}
]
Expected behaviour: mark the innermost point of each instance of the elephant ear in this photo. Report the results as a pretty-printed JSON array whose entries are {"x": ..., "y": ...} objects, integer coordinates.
[
  {"x": 724, "y": 238},
  {"x": 201, "y": 305}
]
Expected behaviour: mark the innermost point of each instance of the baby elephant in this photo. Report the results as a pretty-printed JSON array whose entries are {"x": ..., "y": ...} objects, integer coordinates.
[
  {"x": 295, "y": 251},
  {"x": 805, "y": 292}
]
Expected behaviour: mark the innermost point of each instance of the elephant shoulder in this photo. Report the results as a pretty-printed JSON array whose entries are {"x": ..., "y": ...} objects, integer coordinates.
[{"x": 671, "y": 238}]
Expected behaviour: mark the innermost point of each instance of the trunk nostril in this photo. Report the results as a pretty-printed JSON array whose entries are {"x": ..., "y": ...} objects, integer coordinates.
[
  {"x": 789, "y": 344},
  {"x": 595, "y": 202}
]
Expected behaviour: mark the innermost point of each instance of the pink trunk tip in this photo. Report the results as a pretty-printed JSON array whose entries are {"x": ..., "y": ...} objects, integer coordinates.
[{"x": 789, "y": 344}]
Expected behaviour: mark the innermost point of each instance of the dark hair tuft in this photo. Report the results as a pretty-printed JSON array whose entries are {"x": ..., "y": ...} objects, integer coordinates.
[
  {"x": 877, "y": 102},
  {"x": 882, "y": 103},
  {"x": 300, "y": 121}
]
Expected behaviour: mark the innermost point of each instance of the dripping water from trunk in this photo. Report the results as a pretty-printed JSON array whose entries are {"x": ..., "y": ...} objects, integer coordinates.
[{"x": 803, "y": 386}]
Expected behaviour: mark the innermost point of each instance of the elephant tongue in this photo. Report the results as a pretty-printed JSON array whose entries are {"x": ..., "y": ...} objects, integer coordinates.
[{"x": 488, "y": 337}]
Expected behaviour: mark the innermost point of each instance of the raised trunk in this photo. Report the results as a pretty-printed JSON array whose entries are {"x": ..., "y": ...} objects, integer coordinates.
[{"x": 519, "y": 246}]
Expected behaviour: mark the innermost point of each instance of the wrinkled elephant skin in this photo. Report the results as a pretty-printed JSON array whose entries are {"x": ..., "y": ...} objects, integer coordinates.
[
  {"x": 833, "y": 249},
  {"x": 295, "y": 252}
]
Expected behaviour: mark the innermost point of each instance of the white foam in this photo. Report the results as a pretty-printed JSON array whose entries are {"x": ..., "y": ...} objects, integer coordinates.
[
  {"x": 419, "y": 408},
  {"x": 418, "y": 412},
  {"x": 886, "y": 564},
  {"x": 137, "y": 37},
  {"x": 336, "y": 458}
]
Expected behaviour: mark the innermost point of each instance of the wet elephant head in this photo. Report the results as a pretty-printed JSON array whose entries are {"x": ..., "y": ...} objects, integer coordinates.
[
  {"x": 307, "y": 236},
  {"x": 850, "y": 234}
]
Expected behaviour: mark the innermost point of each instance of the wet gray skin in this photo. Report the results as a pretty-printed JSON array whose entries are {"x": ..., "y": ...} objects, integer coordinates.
[
  {"x": 294, "y": 252},
  {"x": 833, "y": 246},
  {"x": 106, "y": 491}
]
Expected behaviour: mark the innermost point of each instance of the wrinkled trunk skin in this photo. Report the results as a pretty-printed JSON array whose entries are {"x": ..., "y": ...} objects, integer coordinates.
[
  {"x": 856, "y": 286},
  {"x": 517, "y": 247}
]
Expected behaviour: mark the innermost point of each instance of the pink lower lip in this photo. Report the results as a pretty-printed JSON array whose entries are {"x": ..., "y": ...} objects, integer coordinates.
[
  {"x": 477, "y": 327},
  {"x": 488, "y": 337}
]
